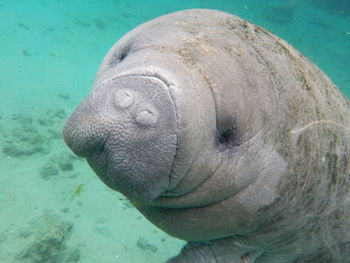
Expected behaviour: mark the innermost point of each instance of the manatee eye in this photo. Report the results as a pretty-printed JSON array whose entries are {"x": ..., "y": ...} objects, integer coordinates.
[
  {"x": 146, "y": 118},
  {"x": 226, "y": 136},
  {"x": 124, "y": 98},
  {"x": 120, "y": 55}
]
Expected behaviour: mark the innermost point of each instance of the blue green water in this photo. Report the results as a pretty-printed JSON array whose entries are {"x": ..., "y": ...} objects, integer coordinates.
[{"x": 49, "y": 53}]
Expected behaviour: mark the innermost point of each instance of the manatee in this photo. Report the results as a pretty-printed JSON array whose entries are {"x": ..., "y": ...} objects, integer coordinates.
[{"x": 223, "y": 135}]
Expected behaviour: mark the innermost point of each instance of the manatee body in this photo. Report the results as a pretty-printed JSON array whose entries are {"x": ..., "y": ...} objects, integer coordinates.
[{"x": 223, "y": 135}]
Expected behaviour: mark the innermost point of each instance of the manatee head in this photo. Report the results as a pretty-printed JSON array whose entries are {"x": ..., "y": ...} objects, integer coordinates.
[
  {"x": 174, "y": 123},
  {"x": 158, "y": 125}
]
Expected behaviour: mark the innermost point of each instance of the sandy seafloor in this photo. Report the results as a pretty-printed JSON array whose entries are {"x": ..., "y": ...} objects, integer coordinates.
[{"x": 52, "y": 206}]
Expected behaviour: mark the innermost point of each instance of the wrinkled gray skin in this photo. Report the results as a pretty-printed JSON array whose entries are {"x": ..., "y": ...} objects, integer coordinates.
[{"x": 224, "y": 135}]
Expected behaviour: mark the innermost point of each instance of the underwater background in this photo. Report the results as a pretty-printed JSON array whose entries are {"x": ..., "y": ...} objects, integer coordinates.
[{"x": 52, "y": 206}]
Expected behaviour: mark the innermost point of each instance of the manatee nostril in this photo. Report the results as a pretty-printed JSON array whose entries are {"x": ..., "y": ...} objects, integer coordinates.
[
  {"x": 124, "y": 98},
  {"x": 146, "y": 118}
]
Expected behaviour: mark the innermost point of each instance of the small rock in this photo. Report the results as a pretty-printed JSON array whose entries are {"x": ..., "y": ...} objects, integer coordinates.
[
  {"x": 58, "y": 114},
  {"x": 65, "y": 165},
  {"x": 24, "y": 234},
  {"x": 22, "y": 119},
  {"x": 14, "y": 151},
  {"x": 145, "y": 245},
  {"x": 99, "y": 24},
  {"x": 73, "y": 176},
  {"x": 48, "y": 170},
  {"x": 103, "y": 231},
  {"x": 65, "y": 210},
  {"x": 22, "y": 25},
  {"x": 64, "y": 96},
  {"x": 127, "y": 204},
  {"x": 49, "y": 246},
  {"x": 72, "y": 256},
  {"x": 26, "y": 53},
  {"x": 54, "y": 133},
  {"x": 101, "y": 220},
  {"x": 80, "y": 22}
]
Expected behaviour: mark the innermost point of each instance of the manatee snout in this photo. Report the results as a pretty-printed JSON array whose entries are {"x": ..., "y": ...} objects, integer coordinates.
[{"x": 126, "y": 128}]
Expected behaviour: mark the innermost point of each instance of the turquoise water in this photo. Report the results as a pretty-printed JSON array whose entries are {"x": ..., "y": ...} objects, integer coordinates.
[{"x": 52, "y": 206}]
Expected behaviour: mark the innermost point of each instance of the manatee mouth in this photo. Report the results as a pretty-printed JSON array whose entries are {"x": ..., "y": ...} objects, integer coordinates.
[{"x": 127, "y": 130}]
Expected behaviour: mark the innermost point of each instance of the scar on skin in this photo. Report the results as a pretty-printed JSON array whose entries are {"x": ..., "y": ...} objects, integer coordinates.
[{"x": 302, "y": 129}]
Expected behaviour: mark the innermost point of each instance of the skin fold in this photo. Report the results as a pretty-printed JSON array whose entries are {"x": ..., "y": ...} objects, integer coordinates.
[{"x": 223, "y": 135}]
